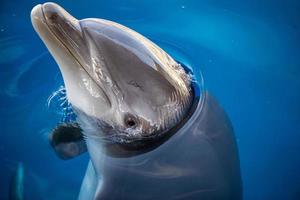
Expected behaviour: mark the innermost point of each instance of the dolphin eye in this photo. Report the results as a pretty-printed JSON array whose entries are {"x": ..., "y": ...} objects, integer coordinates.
[{"x": 130, "y": 121}]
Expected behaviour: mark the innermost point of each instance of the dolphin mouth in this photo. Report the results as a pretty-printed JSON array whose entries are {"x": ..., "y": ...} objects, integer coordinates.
[
  {"x": 65, "y": 28},
  {"x": 66, "y": 31}
]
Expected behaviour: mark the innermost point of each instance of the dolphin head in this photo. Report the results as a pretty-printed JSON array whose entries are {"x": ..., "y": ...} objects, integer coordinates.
[{"x": 119, "y": 83}]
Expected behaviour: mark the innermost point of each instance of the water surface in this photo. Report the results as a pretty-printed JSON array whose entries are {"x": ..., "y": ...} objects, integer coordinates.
[{"x": 248, "y": 53}]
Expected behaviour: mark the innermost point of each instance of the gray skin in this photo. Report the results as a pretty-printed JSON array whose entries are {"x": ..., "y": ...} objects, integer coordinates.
[
  {"x": 148, "y": 134},
  {"x": 200, "y": 161}
]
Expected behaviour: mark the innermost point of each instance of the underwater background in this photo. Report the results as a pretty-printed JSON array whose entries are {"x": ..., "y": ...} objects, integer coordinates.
[{"x": 247, "y": 51}]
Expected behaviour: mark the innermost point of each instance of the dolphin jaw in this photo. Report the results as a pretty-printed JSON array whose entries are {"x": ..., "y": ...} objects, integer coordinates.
[{"x": 82, "y": 91}]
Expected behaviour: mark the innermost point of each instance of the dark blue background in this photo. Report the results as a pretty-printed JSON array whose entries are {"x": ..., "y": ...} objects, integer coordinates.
[{"x": 248, "y": 52}]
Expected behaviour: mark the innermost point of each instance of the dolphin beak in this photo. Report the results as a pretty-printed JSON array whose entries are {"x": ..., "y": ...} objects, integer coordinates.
[
  {"x": 58, "y": 24},
  {"x": 62, "y": 35}
]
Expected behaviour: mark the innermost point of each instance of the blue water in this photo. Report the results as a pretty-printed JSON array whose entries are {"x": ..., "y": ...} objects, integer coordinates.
[{"x": 248, "y": 53}]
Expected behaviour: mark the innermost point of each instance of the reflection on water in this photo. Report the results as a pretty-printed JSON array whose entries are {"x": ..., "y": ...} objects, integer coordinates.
[
  {"x": 11, "y": 48},
  {"x": 12, "y": 89}
]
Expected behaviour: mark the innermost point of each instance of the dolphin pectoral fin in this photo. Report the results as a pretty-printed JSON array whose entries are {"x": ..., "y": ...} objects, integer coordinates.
[{"x": 67, "y": 141}]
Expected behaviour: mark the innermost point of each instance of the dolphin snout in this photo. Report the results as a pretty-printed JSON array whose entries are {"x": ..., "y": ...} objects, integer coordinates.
[
  {"x": 61, "y": 23},
  {"x": 56, "y": 15},
  {"x": 53, "y": 23}
]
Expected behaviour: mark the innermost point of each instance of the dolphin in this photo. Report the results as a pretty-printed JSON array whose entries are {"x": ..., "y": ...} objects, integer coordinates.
[{"x": 150, "y": 130}]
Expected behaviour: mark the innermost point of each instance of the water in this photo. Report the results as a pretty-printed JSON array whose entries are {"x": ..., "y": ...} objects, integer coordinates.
[{"x": 247, "y": 52}]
